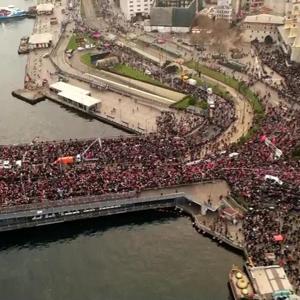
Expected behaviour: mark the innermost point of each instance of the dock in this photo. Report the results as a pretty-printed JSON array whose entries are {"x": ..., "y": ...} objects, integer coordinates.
[{"x": 30, "y": 96}]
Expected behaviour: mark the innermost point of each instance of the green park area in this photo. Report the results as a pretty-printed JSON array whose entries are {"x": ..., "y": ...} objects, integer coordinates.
[
  {"x": 134, "y": 73},
  {"x": 72, "y": 45},
  {"x": 76, "y": 40},
  {"x": 190, "y": 101},
  {"x": 86, "y": 59}
]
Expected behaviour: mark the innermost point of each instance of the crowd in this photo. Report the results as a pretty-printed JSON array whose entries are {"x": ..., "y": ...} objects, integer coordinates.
[
  {"x": 31, "y": 173},
  {"x": 277, "y": 61}
]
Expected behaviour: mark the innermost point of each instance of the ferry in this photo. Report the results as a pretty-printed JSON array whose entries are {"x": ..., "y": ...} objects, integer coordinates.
[
  {"x": 11, "y": 12},
  {"x": 240, "y": 285}
]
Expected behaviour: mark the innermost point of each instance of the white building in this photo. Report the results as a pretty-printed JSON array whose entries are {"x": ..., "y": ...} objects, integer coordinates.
[
  {"x": 262, "y": 28},
  {"x": 224, "y": 9},
  {"x": 45, "y": 9},
  {"x": 40, "y": 40},
  {"x": 75, "y": 97},
  {"x": 133, "y": 8},
  {"x": 223, "y": 12},
  {"x": 268, "y": 280}
]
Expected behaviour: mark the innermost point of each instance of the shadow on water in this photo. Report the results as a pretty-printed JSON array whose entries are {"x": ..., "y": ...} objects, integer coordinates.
[
  {"x": 12, "y": 20},
  {"x": 73, "y": 111},
  {"x": 63, "y": 232}
]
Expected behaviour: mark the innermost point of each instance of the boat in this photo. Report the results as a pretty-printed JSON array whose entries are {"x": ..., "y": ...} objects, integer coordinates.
[
  {"x": 24, "y": 47},
  {"x": 240, "y": 285},
  {"x": 11, "y": 12}
]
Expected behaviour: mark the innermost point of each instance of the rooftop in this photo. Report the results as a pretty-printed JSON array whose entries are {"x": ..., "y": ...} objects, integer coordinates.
[
  {"x": 66, "y": 87},
  {"x": 85, "y": 100},
  {"x": 269, "y": 279},
  {"x": 45, "y": 7},
  {"x": 40, "y": 38},
  {"x": 265, "y": 19}
]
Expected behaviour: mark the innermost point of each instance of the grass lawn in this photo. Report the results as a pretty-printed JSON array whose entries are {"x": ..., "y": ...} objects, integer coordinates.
[
  {"x": 202, "y": 104},
  {"x": 86, "y": 59},
  {"x": 72, "y": 45},
  {"x": 135, "y": 74},
  {"x": 190, "y": 101},
  {"x": 183, "y": 103}
]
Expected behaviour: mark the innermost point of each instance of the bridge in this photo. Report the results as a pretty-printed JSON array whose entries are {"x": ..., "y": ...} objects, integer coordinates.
[
  {"x": 82, "y": 208},
  {"x": 38, "y": 214},
  {"x": 191, "y": 199}
]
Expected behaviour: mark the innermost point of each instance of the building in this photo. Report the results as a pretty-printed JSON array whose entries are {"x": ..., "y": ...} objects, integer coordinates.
[
  {"x": 224, "y": 10},
  {"x": 172, "y": 15},
  {"x": 268, "y": 280},
  {"x": 262, "y": 28},
  {"x": 40, "y": 40},
  {"x": 60, "y": 86},
  {"x": 135, "y": 8},
  {"x": 75, "y": 97},
  {"x": 45, "y": 9},
  {"x": 289, "y": 33},
  {"x": 234, "y": 4}
]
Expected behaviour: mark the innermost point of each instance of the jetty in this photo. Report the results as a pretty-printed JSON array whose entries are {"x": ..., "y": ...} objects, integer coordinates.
[{"x": 29, "y": 96}]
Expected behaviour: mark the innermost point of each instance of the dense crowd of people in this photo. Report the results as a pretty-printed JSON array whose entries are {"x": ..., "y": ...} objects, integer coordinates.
[
  {"x": 163, "y": 159},
  {"x": 267, "y": 181},
  {"x": 278, "y": 62}
]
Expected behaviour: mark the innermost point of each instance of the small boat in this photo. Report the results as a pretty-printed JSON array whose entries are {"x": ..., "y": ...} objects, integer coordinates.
[
  {"x": 240, "y": 285},
  {"x": 23, "y": 47}
]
